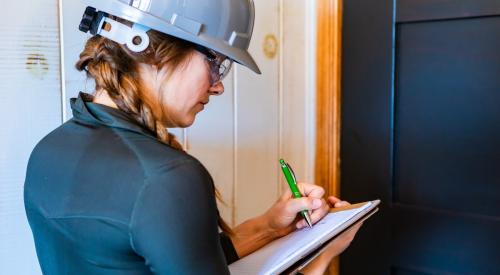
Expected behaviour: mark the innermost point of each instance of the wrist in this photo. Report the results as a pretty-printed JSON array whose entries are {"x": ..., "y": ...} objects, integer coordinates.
[
  {"x": 267, "y": 228},
  {"x": 252, "y": 235}
]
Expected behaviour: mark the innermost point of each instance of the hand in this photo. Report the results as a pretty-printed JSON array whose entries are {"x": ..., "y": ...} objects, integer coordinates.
[
  {"x": 339, "y": 244},
  {"x": 335, "y": 247},
  {"x": 282, "y": 217}
]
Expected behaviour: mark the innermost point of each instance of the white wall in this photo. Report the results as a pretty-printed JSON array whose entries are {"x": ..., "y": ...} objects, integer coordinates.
[
  {"x": 239, "y": 137},
  {"x": 30, "y": 104}
]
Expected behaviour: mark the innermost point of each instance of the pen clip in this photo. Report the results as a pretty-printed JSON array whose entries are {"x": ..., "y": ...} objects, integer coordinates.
[{"x": 291, "y": 172}]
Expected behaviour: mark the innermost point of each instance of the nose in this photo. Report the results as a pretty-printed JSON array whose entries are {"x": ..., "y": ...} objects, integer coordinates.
[{"x": 217, "y": 88}]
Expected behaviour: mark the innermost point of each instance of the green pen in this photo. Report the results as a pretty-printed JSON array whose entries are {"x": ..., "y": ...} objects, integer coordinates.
[{"x": 292, "y": 182}]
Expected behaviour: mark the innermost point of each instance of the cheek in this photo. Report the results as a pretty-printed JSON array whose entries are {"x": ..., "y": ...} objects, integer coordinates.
[
  {"x": 184, "y": 91},
  {"x": 182, "y": 104},
  {"x": 199, "y": 73}
]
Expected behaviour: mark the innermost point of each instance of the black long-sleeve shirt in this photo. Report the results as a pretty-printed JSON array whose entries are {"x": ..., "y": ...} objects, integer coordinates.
[{"x": 104, "y": 196}]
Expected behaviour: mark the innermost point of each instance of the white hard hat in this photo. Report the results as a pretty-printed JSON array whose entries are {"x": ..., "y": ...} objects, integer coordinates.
[{"x": 224, "y": 26}]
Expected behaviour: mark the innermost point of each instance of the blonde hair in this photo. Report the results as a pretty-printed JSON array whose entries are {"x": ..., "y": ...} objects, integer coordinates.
[{"x": 115, "y": 69}]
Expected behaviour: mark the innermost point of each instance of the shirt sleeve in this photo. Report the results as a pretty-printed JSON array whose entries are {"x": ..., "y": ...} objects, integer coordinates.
[
  {"x": 174, "y": 222},
  {"x": 228, "y": 248}
]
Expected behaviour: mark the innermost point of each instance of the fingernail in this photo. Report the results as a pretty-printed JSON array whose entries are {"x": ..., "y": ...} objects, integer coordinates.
[{"x": 316, "y": 202}]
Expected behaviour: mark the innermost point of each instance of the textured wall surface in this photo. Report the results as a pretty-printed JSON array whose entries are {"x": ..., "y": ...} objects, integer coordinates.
[{"x": 30, "y": 104}]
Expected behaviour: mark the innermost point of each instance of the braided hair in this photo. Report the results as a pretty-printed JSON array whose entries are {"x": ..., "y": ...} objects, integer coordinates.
[{"x": 115, "y": 70}]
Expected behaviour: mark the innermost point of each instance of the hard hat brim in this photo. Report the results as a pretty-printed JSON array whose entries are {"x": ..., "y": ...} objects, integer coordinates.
[
  {"x": 248, "y": 61},
  {"x": 242, "y": 57}
]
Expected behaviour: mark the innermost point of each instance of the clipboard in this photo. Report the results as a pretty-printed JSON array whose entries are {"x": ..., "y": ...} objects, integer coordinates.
[
  {"x": 289, "y": 254},
  {"x": 296, "y": 267}
]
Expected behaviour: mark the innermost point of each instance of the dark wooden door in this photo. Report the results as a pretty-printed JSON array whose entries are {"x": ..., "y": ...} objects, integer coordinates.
[{"x": 421, "y": 131}]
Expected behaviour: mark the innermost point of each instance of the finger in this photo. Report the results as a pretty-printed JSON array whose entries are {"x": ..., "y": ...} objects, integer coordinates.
[
  {"x": 311, "y": 190},
  {"x": 318, "y": 213},
  {"x": 341, "y": 204},
  {"x": 333, "y": 200},
  {"x": 301, "y": 224},
  {"x": 296, "y": 205}
]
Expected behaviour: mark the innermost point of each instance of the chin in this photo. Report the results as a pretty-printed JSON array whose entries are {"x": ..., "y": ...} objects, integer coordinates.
[{"x": 187, "y": 123}]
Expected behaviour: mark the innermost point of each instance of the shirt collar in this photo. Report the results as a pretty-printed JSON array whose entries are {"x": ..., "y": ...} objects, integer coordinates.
[{"x": 88, "y": 112}]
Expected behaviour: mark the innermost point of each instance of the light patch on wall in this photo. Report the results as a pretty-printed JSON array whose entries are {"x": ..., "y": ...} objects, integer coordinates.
[
  {"x": 37, "y": 65},
  {"x": 270, "y": 46}
]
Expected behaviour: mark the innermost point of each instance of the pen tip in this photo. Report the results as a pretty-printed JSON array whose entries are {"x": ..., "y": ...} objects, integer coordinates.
[{"x": 308, "y": 221}]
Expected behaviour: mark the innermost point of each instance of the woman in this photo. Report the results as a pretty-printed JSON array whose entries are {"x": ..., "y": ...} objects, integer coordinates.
[{"x": 111, "y": 191}]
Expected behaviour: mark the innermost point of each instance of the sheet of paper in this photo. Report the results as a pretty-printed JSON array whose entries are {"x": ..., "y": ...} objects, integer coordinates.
[{"x": 272, "y": 257}]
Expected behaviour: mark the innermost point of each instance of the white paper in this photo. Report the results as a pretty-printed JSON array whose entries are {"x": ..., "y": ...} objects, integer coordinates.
[{"x": 282, "y": 253}]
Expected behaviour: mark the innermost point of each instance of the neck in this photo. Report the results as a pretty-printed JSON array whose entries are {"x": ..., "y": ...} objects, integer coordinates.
[{"x": 102, "y": 97}]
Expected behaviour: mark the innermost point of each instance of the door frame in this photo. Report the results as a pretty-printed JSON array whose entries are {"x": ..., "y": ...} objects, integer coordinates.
[{"x": 328, "y": 99}]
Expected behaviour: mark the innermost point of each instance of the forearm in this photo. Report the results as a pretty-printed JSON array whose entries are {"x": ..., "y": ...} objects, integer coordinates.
[
  {"x": 321, "y": 263},
  {"x": 317, "y": 266},
  {"x": 252, "y": 235},
  {"x": 334, "y": 248}
]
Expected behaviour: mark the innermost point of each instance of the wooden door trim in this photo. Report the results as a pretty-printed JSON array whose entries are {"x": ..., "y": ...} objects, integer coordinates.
[
  {"x": 327, "y": 173},
  {"x": 328, "y": 73}
]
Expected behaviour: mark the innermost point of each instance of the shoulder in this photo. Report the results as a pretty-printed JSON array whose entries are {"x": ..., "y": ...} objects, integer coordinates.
[
  {"x": 158, "y": 158},
  {"x": 182, "y": 175},
  {"x": 46, "y": 148}
]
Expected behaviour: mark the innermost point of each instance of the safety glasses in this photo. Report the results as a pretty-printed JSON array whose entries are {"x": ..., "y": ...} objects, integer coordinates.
[{"x": 219, "y": 64}]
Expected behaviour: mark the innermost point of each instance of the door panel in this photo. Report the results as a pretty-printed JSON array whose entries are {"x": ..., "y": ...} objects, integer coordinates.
[
  {"x": 434, "y": 241},
  {"x": 447, "y": 115},
  {"x": 366, "y": 122},
  {"x": 426, "y": 10},
  {"x": 421, "y": 131}
]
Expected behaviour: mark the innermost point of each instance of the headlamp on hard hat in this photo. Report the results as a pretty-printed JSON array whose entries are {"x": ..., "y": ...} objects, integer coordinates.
[{"x": 99, "y": 23}]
